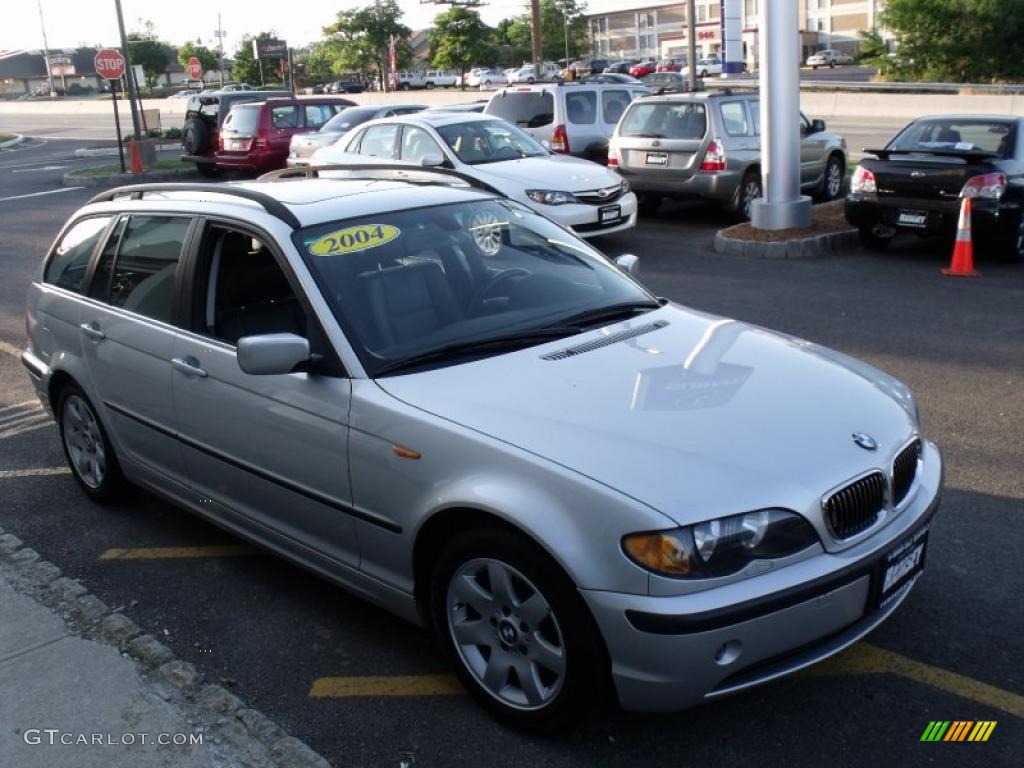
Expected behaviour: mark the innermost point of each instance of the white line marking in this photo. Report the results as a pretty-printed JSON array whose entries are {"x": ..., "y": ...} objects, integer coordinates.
[
  {"x": 10, "y": 349},
  {"x": 44, "y": 168},
  {"x": 17, "y": 405},
  {"x": 38, "y": 194},
  {"x": 12, "y": 420},
  {"x": 30, "y": 428},
  {"x": 7, "y": 474}
]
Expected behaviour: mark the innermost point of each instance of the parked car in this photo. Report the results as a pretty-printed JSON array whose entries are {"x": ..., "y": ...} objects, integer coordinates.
[
  {"x": 828, "y": 58},
  {"x": 238, "y": 87},
  {"x": 472, "y": 106},
  {"x": 351, "y": 84},
  {"x": 611, "y": 77},
  {"x": 664, "y": 79},
  {"x": 458, "y": 410},
  {"x": 204, "y": 115},
  {"x": 916, "y": 184},
  {"x": 642, "y": 69},
  {"x": 526, "y": 74},
  {"x": 303, "y": 145},
  {"x": 439, "y": 78},
  {"x": 670, "y": 65},
  {"x": 709, "y": 66},
  {"x": 256, "y": 137},
  {"x": 584, "y": 196},
  {"x": 621, "y": 67},
  {"x": 708, "y": 145},
  {"x": 574, "y": 118},
  {"x": 486, "y": 78},
  {"x": 405, "y": 81}
]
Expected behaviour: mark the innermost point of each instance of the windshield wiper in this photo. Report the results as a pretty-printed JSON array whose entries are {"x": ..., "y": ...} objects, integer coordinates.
[
  {"x": 492, "y": 345},
  {"x": 610, "y": 312}
]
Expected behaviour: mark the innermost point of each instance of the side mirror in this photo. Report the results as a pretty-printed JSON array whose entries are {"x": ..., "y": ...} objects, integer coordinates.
[
  {"x": 431, "y": 160},
  {"x": 629, "y": 264},
  {"x": 272, "y": 353},
  {"x": 817, "y": 126}
]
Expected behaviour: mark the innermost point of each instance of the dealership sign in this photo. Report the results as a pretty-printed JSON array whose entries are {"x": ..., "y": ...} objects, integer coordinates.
[
  {"x": 61, "y": 64},
  {"x": 270, "y": 49}
]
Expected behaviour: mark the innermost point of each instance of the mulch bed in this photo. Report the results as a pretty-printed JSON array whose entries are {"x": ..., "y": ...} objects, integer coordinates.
[{"x": 825, "y": 219}]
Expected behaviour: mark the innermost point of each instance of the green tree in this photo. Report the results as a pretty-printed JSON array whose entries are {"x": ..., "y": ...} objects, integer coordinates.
[
  {"x": 517, "y": 33},
  {"x": 358, "y": 40},
  {"x": 957, "y": 40},
  {"x": 246, "y": 68},
  {"x": 458, "y": 40},
  {"x": 209, "y": 59},
  {"x": 150, "y": 54}
]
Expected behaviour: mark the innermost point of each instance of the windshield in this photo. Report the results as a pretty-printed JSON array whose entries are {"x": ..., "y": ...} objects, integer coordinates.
[
  {"x": 958, "y": 135},
  {"x": 664, "y": 121},
  {"x": 408, "y": 283},
  {"x": 527, "y": 109},
  {"x": 489, "y": 141},
  {"x": 348, "y": 118}
]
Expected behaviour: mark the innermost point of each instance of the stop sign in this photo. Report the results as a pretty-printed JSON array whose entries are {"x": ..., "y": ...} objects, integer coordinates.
[
  {"x": 109, "y": 64},
  {"x": 194, "y": 69}
]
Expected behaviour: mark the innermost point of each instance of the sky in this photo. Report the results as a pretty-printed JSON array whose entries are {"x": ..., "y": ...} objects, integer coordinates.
[{"x": 73, "y": 22}]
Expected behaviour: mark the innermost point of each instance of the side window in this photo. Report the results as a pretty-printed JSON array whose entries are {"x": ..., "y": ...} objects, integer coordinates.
[
  {"x": 805, "y": 125},
  {"x": 613, "y": 104},
  {"x": 581, "y": 107},
  {"x": 417, "y": 144},
  {"x": 146, "y": 264},
  {"x": 284, "y": 117},
  {"x": 105, "y": 266},
  {"x": 70, "y": 260},
  {"x": 735, "y": 118},
  {"x": 247, "y": 292},
  {"x": 755, "y": 115},
  {"x": 318, "y": 114},
  {"x": 379, "y": 141}
]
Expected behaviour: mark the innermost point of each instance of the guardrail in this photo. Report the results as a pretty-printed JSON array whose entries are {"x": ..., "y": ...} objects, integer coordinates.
[{"x": 989, "y": 89}]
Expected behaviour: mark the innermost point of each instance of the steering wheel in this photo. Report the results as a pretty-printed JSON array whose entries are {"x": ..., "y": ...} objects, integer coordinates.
[
  {"x": 477, "y": 302},
  {"x": 507, "y": 153}
]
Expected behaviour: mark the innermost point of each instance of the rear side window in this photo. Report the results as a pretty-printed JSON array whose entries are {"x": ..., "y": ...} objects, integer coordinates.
[
  {"x": 527, "y": 109},
  {"x": 318, "y": 114},
  {"x": 665, "y": 121},
  {"x": 70, "y": 260},
  {"x": 734, "y": 116},
  {"x": 613, "y": 104},
  {"x": 284, "y": 117},
  {"x": 379, "y": 141},
  {"x": 142, "y": 277},
  {"x": 581, "y": 107}
]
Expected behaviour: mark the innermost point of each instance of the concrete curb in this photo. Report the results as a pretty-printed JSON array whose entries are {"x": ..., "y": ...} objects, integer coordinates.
[
  {"x": 112, "y": 151},
  {"x": 18, "y": 138},
  {"x": 800, "y": 248},
  {"x": 77, "y": 179},
  {"x": 218, "y": 712}
]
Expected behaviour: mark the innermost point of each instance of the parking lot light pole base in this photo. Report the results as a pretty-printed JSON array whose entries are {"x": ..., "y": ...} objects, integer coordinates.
[{"x": 787, "y": 214}]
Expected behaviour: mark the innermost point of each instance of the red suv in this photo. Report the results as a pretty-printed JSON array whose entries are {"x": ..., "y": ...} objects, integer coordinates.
[
  {"x": 255, "y": 136},
  {"x": 642, "y": 69}
]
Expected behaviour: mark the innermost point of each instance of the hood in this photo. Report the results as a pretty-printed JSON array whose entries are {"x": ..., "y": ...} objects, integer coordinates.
[
  {"x": 698, "y": 418},
  {"x": 571, "y": 174}
]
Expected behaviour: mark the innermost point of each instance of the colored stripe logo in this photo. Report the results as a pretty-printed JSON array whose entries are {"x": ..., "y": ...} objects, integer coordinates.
[{"x": 958, "y": 730}]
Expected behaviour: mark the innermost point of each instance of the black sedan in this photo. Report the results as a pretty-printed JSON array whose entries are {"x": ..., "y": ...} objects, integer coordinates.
[{"x": 918, "y": 182}]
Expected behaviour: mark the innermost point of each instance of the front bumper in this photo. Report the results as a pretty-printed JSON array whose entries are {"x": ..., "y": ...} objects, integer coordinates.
[
  {"x": 673, "y": 652},
  {"x": 39, "y": 374},
  {"x": 585, "y": 219}
]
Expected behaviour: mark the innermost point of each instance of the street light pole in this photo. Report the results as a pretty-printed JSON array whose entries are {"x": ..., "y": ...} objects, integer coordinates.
[
  {"x": 129, "y": 73},
  {"x": 220, "y": 49},
  {"x": 691, "y": 42},
  {"x": 46, "y": 52}
]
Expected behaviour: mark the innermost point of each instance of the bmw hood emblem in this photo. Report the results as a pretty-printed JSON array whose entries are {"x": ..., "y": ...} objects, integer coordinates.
[{"x": 867, "y": 442}]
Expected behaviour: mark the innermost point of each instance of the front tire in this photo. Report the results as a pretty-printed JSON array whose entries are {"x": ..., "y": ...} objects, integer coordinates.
[
  {"x": 87, "y": 448},
  {"x": 648, "y": 204},
  {"x": 832, "y": 183},
  {"x": 516, "y": 630}
]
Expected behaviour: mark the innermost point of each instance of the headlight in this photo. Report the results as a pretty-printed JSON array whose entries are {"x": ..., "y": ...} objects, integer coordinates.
[
  {"x": 550, "y": 197},
  {"x": 722, "y": 546}
]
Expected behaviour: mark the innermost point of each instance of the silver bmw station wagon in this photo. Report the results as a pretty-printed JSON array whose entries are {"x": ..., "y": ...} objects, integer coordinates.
[{"x": 459, "y": 410}]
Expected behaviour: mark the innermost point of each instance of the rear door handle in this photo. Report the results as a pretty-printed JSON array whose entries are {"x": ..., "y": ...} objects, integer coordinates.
[
  {"x": 189, "y": 366},
  {"x": 92, "y": 330}
]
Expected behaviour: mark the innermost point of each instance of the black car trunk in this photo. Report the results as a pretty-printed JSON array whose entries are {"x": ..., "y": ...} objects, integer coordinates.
[{"x": 925, "y": 176}]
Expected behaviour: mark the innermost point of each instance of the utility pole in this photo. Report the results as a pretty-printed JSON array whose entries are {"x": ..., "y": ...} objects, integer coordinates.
[
  {"x": 46, "y": 52},
  {"x": 538, "y": 50},
  {"x": 129, "y": 72},
  {"x": 219, "y": 34},
  {"x": 691, "y": 43}
]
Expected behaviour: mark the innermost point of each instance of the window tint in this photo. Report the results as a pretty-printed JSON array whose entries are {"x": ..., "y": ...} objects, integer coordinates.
[
  {"x": 105, "y": 266},
  {"x": 68, "y": 265},
  {"x": 734, "y": 117},
  {"x": 417, "y": 144},
  {"x": 318, "y": 114},
  {"x": 247, "y": 293},
  {"x": 581, "y": 107},
  {"x": 527, "y": 109},
  {"x": 665, "y": 121},
  {"x": 958, "y": 134},
  {"x": 613, "y": 104},
  {"x": 284, "y": 117},
  {"x": 379, "y": 141},
  {"x": 146, "y": 263}
]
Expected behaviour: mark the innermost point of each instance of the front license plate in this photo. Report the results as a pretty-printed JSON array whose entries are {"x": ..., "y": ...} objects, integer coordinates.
[
  {"x": 901, "y": 566},
  {"x": 657, "y": 158},
  {"x": 913, "y": 219},
  {"x": 609, "y": 213}
]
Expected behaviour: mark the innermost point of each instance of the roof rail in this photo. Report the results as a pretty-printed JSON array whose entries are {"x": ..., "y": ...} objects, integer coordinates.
[
  {"x": 271, "y": 205},
  {"x": 313, "y": 172}
]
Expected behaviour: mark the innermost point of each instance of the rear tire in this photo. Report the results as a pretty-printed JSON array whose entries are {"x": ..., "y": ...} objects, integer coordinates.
[
  {"x": 516, "y": 630},
  {"x": 648, "y": 204},
  {"x": 871, "y": 241},
  {"x": 209, "y": 170},
  {"x": 1013, "y": 247},
  {"x": 87, "y": 448},
  {"x": 750, "y": 190}
]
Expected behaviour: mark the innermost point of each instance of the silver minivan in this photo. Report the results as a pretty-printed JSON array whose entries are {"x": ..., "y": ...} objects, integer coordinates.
[{"x": 708, "y": 145}]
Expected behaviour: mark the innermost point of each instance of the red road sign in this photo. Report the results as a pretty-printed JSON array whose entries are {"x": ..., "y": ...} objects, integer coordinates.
[
  {"x": 194, "y": 69},
  {"x": 109, "y": 64}
]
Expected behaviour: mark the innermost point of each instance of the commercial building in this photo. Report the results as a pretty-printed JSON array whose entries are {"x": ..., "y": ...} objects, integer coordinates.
[{"x": 653, "y": 30}]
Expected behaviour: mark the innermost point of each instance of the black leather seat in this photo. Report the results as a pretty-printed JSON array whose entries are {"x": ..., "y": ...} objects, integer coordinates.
[
  {"x": 254, "y": 296},
  {"x": 409, "y": 301}
]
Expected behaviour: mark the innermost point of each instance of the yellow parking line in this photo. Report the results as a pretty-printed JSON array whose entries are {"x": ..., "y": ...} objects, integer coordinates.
[
  {"x": 6, "y": 474},
  {"x": 866, "y": 659},
  {"x": 170, "y": 553},
  {"x": 408, "y": 685}
]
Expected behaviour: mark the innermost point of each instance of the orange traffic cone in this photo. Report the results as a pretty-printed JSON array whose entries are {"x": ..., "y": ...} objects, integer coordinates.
[
  {"x": 962, "y": 264},
  {"x": 135, "y": 157}
]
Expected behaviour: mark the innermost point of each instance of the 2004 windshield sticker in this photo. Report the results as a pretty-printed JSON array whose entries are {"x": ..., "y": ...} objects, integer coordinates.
[{"x": 353, "y": 239}]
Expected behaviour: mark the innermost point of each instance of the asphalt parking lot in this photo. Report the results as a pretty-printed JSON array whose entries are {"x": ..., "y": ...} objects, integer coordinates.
[{"x": 365, "y": 689}]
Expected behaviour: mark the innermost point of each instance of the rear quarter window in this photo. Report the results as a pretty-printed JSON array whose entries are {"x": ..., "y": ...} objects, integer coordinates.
[
  {"x": 70, "y": 260},
  {"x": 527, "y": 109},
  {"x": 734, "y": 118}
]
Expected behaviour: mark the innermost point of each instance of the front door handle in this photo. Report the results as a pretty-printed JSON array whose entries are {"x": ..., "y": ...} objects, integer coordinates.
[
  {"x": 189, "y": 366},
  {"x": 92, "y": 330}
]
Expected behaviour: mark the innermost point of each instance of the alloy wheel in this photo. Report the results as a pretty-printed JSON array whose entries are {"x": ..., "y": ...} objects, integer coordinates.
[
  {"x": 84, "y": 441},
  {"x": 834, "y": 179},
  {"x": 486, "y": 230},
  {"x": 751, "y": 192},
  {"x": 506, "y": 633}
]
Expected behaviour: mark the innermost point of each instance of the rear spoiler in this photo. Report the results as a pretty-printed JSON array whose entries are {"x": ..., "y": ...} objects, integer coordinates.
[{"x": 972, "y": 154}]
